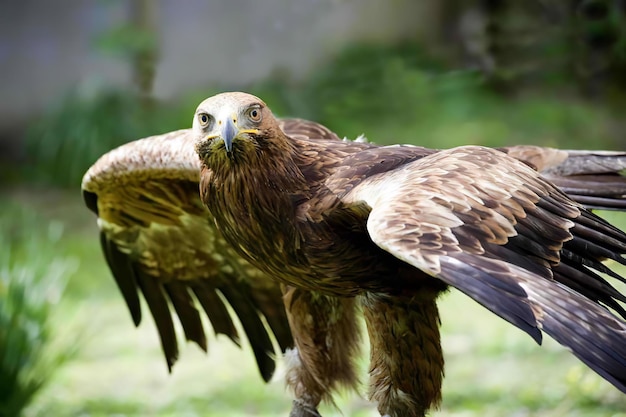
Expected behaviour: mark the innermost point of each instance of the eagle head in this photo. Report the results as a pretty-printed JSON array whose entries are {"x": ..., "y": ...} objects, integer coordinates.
[{"x": 229, "y": 124}]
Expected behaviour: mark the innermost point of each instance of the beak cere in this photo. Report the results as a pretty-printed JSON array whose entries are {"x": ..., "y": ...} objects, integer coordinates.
[{"x": 229, "y": 131}]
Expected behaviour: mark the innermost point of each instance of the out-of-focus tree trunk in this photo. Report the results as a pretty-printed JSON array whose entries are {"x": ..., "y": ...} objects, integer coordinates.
[
  {"x": 601, "y": 25},
  {"x": 579, "y": 44},
  {"x": 144, "y": 60}
]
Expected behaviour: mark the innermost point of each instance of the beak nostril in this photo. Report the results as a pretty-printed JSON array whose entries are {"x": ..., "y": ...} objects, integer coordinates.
[{"x": 229, "y": 131}]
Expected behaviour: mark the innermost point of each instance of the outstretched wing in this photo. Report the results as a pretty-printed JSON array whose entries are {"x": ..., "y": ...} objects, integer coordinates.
[
  {"x": 594, "y": 178},
  {"x": 301, "y": 128},
  {"x": 493, "y": 228},
  {"x": 159, "y": 240}
]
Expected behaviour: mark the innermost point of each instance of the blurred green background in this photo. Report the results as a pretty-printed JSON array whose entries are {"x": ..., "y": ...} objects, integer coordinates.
[{"x": 81, "y": 79}]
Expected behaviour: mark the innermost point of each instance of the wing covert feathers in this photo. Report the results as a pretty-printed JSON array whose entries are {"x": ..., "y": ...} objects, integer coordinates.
[
  {"x": 494, "y": 229},
  {"x": 306, "y": 129}
]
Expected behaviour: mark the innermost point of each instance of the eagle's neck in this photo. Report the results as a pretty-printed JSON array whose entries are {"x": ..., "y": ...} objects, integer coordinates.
[{"x": 253, "y": 193}]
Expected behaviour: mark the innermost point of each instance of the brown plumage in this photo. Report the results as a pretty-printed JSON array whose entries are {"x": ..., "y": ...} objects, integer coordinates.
[
  {"x": 593, "y": 178},
  {"x": 158, "y": 239},
  {"x": 391, "y": 228}
]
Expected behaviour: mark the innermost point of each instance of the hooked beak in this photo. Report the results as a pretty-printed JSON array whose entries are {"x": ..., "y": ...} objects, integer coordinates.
[{"x": 229, "y": 131}]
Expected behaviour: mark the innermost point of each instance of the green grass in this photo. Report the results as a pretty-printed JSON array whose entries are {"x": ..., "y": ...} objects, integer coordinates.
[
  {"x": 66, "y": 140},
  {"x": 492, "y": 369},
  {"x": 32, "y": 279}
]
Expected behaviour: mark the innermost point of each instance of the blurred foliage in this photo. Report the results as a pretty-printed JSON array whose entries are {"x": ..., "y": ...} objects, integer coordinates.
[
  {"x": 32, "y": 279},
  {"x": 67, "y": 140},
  {"x": 393, "y": 94},
  {"x": 399, "y": 95},
  {"x": 578, "y": 45},
  {"x": 126, "y": 40}
]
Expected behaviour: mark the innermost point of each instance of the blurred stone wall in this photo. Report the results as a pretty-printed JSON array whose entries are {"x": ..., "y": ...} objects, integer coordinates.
[{"x": 49, "y": 47}]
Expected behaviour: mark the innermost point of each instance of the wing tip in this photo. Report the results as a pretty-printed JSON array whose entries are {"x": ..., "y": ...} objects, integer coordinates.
[{"x": 91, "y": 201}]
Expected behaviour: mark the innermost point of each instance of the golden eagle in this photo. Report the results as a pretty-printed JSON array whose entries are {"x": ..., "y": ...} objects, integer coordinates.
[
  {"x": 289, "y": 201},
  {"x": 392, "y": 228}
]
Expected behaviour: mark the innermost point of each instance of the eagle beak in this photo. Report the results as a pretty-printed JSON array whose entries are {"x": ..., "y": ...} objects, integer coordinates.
[{"x": 229, "y": 131}]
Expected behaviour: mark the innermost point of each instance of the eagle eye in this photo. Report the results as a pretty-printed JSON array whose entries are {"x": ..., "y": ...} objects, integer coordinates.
[
  {"x": 254, "y": 113},
  {"x": 204, "y": 119}
]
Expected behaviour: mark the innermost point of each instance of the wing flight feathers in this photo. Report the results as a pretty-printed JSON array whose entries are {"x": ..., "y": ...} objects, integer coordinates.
[
  {"x": 158, "y": 306},
  {"x": 160, "y": 241},
  {"x": 180, "y": 298},
  {"x": 122, "y": 271},
  {"x": 594, "y": 178},
  {"x": 494, "y": 229},
  {"x": 215, "y": 310},
  {"x": 306, "y": 129}
]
